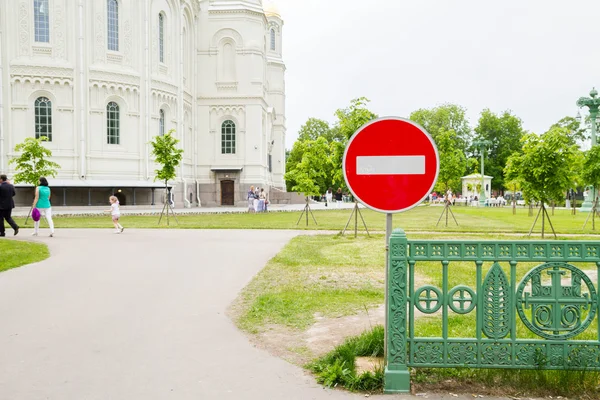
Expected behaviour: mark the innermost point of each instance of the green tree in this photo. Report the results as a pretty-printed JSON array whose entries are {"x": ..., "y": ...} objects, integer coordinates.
[
  {"x": 311, "y": 173},
  {"x": 575, "y": 133},
  {"x": 544, "y": 168},
  {"x": 166, "y": 153},
  {"x": 505, "y": 133},
  {"x": 294, "y": 158},
  {"x": 33, "y": 161},
  {"x": 353, "y": 117},
  {"x": 315, "y": 128},
  {"x": 337, "y": 158},
  {"x": 452, "y": 162},
  {"x": 444, "y": 118},
  {"x": 591, "y": 168}
]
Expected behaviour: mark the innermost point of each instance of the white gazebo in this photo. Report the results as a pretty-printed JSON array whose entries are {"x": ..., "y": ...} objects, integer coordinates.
[{"x": 473, "y": 182}]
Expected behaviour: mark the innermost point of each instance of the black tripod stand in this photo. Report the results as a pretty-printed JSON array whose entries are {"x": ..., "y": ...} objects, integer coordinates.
[
  {"x": 447, "y": 210},
  {"x": 356, "y": 212},
  {"x": 307, "y": 210},
  {"x": 166, "y": 208}
]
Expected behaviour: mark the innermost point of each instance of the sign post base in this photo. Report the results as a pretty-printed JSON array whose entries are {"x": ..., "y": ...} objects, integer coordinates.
[{"x": 397, "y": 380}]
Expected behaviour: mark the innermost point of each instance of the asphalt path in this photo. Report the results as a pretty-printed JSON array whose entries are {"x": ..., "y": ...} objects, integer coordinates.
[{"x": 142, "y": 315}]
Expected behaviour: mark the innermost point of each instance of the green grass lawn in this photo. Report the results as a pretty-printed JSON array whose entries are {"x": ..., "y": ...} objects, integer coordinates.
[
  {"x": 15, "y": 253},
  {"x": 335, "y": 275},
  {"x": 424, "y": 218}
]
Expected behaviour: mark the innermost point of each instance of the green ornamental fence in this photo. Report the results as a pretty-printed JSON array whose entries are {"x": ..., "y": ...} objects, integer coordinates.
[{"x": 553, "y": 303}]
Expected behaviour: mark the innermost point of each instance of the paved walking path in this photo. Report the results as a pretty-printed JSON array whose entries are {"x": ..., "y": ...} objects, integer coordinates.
[{"x": 142, "y": 316}]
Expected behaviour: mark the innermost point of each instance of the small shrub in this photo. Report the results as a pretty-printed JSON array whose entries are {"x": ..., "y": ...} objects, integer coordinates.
[{"x": 338, "y": 367}]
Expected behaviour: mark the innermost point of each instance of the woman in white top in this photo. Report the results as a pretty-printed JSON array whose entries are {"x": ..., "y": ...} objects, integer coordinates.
[{"x": 328, "y": 197}]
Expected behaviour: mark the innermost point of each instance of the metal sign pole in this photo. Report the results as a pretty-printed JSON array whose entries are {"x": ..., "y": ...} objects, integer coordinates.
[{"x": 388, "y": 233}]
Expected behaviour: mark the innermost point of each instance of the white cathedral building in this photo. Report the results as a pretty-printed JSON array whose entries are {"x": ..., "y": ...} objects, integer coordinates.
[{"x": 100, "y": 78}]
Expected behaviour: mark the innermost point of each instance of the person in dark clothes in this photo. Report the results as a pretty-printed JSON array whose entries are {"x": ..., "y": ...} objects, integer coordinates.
[
  {"x": 339, "y": 197},
  {"x": 7, "y": 192}
]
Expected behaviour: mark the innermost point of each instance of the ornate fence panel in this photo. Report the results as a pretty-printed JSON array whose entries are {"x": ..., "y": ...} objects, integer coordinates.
[{"x": 528, "y": 323}]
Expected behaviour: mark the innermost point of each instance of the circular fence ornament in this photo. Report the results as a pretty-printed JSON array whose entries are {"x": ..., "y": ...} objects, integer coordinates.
[
  {"x": 428, "y": 299},
  {"x": 556, "y": 309},
  {"x": 461, "y": 299}
]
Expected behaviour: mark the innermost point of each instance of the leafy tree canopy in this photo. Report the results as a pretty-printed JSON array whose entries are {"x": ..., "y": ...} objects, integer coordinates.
[
  {"x": 315, "y": 128},
  {"x": 505, "y": 132},
  {"x": 544, "y": 168},
  {"x": 591, "y": 167},
  {"x": 311, "y": 173},
  {"x": 444, "y": 118},
  {"x": 166, "y": 153},
  {"x": 33, "y": 161},
  {"x": 452, "y": 162},
  {"x": 353, "y": 117},
  {"x": 575, "y": 132}
]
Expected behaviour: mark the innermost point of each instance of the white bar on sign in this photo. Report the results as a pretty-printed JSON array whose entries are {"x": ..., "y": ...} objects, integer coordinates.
[{"x": 390, "y": 165}]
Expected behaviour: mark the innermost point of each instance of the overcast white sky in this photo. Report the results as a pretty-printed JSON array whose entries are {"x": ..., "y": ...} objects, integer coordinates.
[{"x": 533, "y": 57}]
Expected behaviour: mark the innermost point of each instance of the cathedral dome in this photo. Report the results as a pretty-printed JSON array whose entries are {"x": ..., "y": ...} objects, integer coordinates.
[{"x": 271, "y": 10}]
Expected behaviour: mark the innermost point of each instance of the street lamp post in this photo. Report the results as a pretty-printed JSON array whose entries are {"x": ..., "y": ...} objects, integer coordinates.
[
  {"x": 482, "y": 145},
  {"x": 593, "y": 105}
]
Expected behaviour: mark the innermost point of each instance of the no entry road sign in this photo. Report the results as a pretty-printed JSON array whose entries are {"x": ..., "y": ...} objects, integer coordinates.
[{"x": 391, "y": 164}]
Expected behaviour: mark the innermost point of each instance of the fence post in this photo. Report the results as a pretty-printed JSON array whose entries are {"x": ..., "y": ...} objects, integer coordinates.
[{"x": 397, "y": 377}]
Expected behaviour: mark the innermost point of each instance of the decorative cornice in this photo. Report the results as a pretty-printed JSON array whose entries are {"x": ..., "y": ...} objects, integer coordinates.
[
  {"x": 228, "y": 109},
  {"x": 164, "y": 87},
  {"x": 226, "y": 85},
  {"x": 42, "y": 74},
  {"x": 116, "y": 76}
]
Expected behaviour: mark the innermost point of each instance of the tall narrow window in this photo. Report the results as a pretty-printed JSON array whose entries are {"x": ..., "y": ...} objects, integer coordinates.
[
  {"x": 228, "y": 137},
  {"x": 41, "y": 21},
  {"x": 272, "y": 39},
  {"x": 43, "y": 118},
  {"x": 113, "y": 25},
  {"x": 161, "y": 36},
  {"x": 161, "y": 123},
  {"x": 112, "y": 123}
]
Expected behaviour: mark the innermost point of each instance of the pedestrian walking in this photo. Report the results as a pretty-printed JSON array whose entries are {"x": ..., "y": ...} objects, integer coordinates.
[
  {"x": 251, "y": 208},
  {"x": 339, "y": 197},
  {"x": 42, "y": 203},
  {"x": 7, "y": 192},
  {"x": 115, "y": 213},
  {"x": 328, "y": 197},
  {"x": 262, "y": 198}
]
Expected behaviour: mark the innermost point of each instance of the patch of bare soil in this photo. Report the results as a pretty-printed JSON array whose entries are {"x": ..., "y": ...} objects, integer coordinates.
[
  {"x": 300, "y": 347},
  {"x": 368, "y": 364}
]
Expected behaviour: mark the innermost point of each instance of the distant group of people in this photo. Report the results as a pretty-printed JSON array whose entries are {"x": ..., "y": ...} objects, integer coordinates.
[
  {"x": 330, "y": 195},
  {"x": 41, "y": 206},
  {"x": 257, "y": 200}
]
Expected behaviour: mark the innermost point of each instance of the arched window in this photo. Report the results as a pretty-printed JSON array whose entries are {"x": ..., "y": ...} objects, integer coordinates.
[
  {"x": 41, "y": 21},
  {"x": 113, "y": 25},
  {"x": 112, "y": 123},
  {"x": 272, "y": 39},
  {"x": 161, "y": 36},
  {"x": 161, "y": 123},
  {"x": 43, "y": 118},
  {"x": 228, "y": 137}
]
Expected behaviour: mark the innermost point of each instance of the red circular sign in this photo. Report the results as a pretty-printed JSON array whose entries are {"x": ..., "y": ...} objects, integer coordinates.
[{"x": 391, "y": 164}]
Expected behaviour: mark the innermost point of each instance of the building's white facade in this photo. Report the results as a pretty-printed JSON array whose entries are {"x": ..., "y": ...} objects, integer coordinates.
[{"x": 115, "y": 73}]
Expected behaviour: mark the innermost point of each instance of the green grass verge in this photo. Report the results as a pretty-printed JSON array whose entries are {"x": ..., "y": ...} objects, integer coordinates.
[
  {"x": 424, "y": 218},
  {"x": 333, "y": 275},
  {"x": 339, "y": 366},
  {"x": 15, "y": 253},
  {"x": 337, "y": 275}
]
